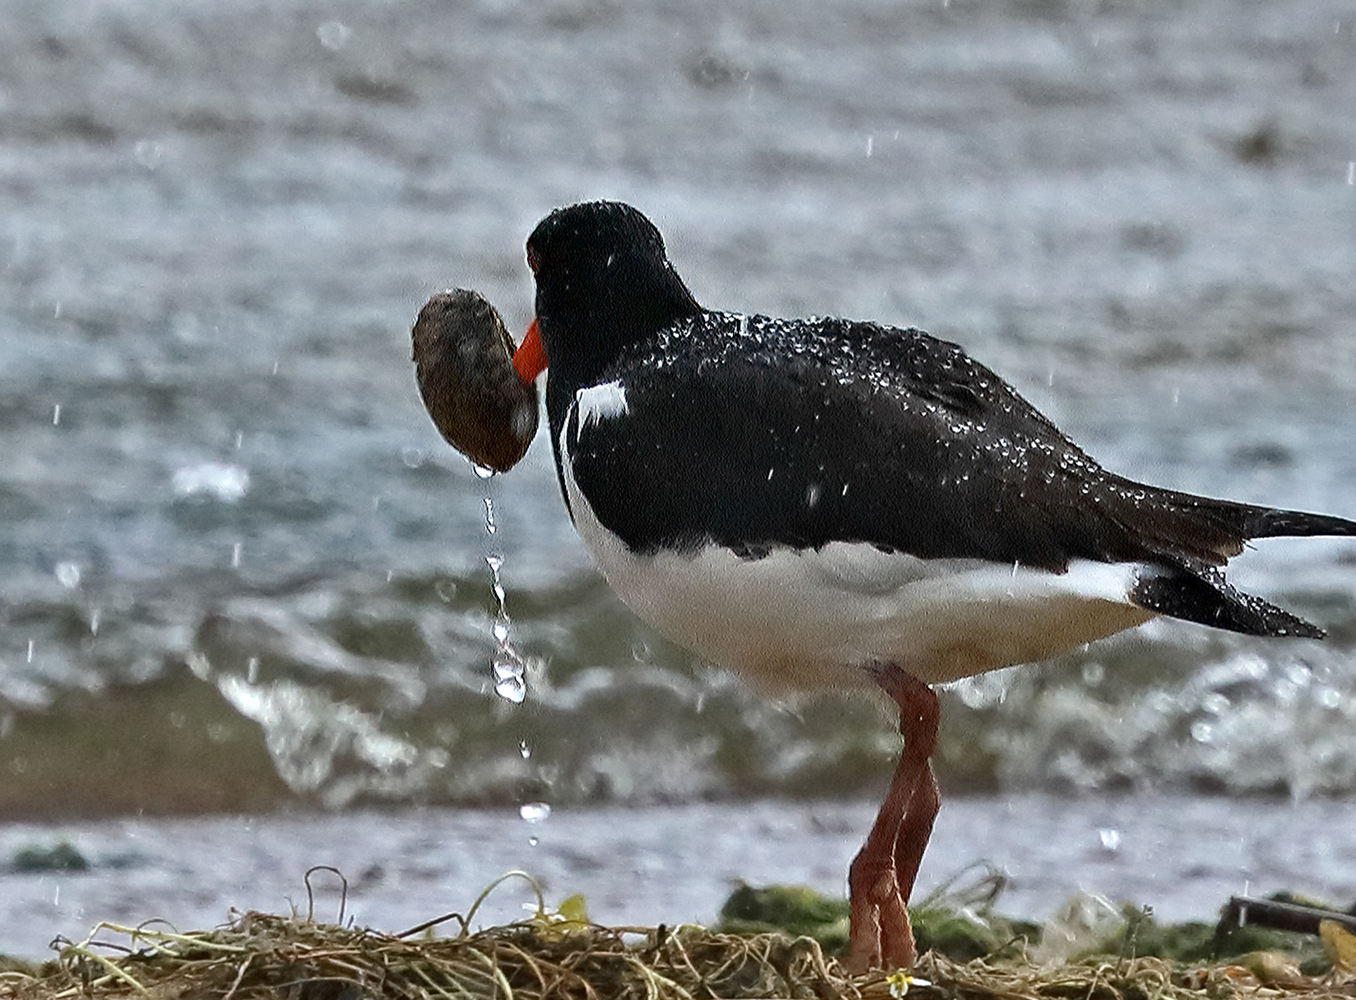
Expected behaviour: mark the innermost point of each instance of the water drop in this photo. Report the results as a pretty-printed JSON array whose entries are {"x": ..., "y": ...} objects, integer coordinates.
[
  {"x": 148, "y": 153},
  {"x": 412, "y": 457},
  {"x": 524, "y": 749},
  {"x": 490, "y": 526},
  {"x": 533, "y": 840},
  {"x": 511, "y": 688},
  {"x": 31, "y": 645},
  {"x": 1202, "y": 731},
  {"x": 56, "y": 414},
  {"x": 1216, "y": 703},
  {"x": 236, "y": 549},
  {"x": 1110, "y": 839},
  {"x": 216, "y": 480},
  {"x": 68, "y": 574},
  {"x": 252, "y": 670},
  {"x": 509, "y": 680},
  {"x": 446, "y": 590},
  {"x": 334, "y": 35},
  {"x": 501, "y": 631},
  {"x": 534, "y": 812},
  {"x": 483, "y": 471},
  {"x": 198, "y": 662}
]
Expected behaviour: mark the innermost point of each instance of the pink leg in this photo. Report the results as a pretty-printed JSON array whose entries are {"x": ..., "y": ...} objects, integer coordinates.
[{"x": 883, "y": 873}]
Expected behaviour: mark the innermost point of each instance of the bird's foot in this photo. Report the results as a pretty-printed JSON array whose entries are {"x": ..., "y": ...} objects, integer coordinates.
[{"x": 881, "y": 936}]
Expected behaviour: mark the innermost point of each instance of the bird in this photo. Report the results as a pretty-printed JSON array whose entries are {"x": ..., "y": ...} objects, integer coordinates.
[{"x": 824, "y": 504}]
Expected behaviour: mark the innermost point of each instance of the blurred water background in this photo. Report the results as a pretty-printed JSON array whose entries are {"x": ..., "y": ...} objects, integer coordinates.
[{"x": 241, "y": 575}]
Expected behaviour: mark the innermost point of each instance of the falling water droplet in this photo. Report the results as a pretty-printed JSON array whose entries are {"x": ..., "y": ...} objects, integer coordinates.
[
  {"x": 56, "y": 414},
  {"x": 236, "y": 549},
  {"x": 483, "y": 471},
  {"x": 252, "y": 670},
  {"x": 524, "y": 749},
  {"x": 511, "y": 687},
  {"x": 31, "y": 645},
  {"x": 446, "y": 590},
  {"x": 67, "y": 574},
  {"x": 334, "y": 35},
  {"x": 534, "y": 812},
  {"x": 148, "y": 153},
  {"x": 490, "y": 526}
]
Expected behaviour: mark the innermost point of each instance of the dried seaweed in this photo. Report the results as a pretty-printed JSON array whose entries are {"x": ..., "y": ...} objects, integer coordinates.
[{"x": 260, "y": 956}]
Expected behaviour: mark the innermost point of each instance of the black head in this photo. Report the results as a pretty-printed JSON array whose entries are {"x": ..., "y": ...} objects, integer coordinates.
[{"x": 604, "y": 282}]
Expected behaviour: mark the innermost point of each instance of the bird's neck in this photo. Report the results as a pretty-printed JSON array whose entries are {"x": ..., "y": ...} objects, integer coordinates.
[{"x": 583, "y": 342}]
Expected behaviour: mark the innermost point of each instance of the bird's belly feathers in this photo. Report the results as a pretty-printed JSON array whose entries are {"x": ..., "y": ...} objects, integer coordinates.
[{"x": 805, "y": 619}]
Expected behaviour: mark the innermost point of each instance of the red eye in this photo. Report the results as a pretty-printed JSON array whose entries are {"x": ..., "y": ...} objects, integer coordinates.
[{"x": 532, "y": 259}]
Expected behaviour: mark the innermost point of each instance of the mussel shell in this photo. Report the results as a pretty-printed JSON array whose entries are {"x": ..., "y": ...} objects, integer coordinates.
[{"x": 463, "y": 357}]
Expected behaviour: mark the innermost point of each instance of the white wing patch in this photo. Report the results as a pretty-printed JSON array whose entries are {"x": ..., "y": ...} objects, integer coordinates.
[{"x": 600, "y": 402}]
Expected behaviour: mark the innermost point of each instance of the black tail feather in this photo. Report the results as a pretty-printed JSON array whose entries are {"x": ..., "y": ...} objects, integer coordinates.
[
  {"x": 1201, "y": 594},
  {"x": 1274, "y": 523}
]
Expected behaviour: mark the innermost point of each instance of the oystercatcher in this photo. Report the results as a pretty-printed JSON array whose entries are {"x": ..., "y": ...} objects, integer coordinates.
[{"x": 828, "y": 504}]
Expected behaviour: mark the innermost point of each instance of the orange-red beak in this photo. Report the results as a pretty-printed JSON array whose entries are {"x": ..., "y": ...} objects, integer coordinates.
[{"x": 529, "y": 360}]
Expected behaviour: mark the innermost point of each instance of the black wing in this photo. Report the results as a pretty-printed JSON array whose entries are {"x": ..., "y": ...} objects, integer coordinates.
[{"x": 868, "y": 434}]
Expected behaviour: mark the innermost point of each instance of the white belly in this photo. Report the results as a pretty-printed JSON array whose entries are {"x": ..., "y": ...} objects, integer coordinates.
[{"x": 804, "y": 619}]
